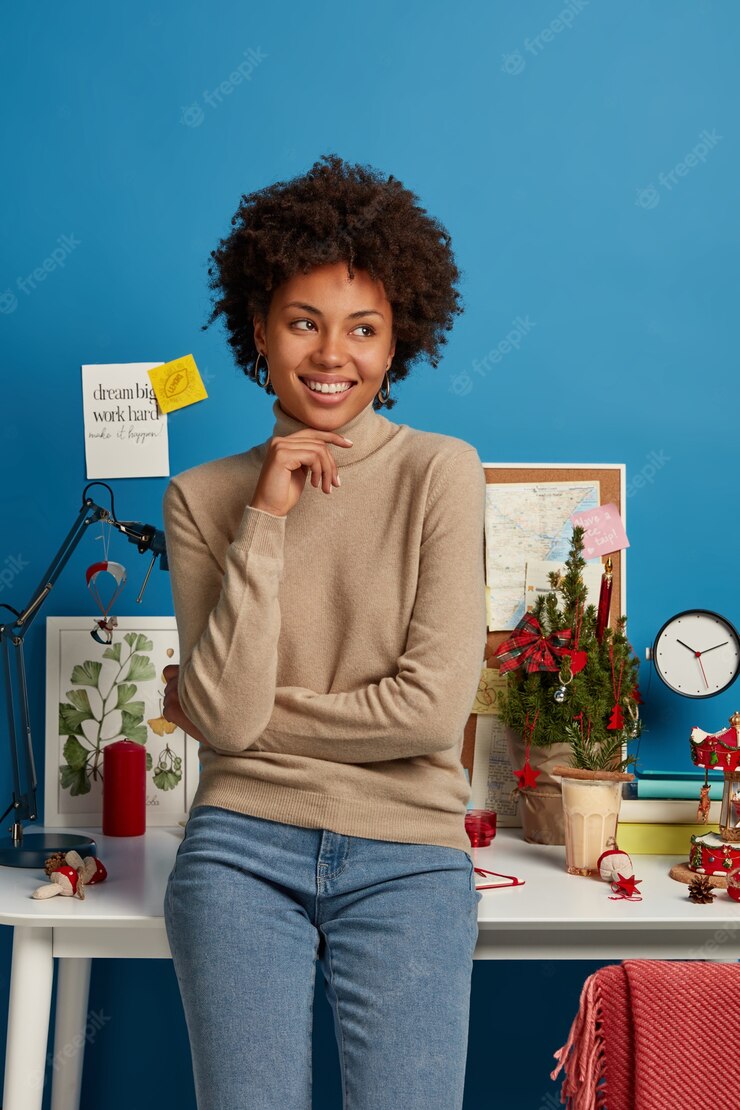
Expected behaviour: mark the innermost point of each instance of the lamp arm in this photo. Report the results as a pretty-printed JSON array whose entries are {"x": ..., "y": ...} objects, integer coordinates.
[{"x": 147, "y": 538}]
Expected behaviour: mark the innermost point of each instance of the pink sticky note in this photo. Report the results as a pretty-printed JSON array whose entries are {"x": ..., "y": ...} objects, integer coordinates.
[{"x": 604, "y": 531}]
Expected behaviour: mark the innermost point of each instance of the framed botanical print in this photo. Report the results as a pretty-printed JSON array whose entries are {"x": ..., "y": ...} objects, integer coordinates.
[{"x": 97, "y": 693}]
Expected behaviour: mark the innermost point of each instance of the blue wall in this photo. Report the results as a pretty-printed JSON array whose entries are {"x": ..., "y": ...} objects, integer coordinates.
[{"x": 552, "y": 140}]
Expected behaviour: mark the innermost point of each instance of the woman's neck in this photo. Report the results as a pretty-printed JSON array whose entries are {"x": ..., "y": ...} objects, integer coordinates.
[{"x": 367, "y": 429}]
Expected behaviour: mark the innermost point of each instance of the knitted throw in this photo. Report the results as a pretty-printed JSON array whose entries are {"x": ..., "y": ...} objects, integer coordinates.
[{"x": 644, "y": 1037}]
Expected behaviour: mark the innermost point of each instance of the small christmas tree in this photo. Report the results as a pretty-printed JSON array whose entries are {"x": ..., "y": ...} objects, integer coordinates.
[{"x": 588, "y": 694}]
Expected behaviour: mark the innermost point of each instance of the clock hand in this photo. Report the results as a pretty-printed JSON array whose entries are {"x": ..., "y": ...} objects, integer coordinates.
[
  {"x": 685, "y": 645},
  {"x": 698, "y": 656},
  {"x": 712, "y": 648}
]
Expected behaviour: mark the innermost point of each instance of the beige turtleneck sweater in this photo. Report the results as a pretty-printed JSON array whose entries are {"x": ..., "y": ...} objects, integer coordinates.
[{"x": 331, "y": 657}]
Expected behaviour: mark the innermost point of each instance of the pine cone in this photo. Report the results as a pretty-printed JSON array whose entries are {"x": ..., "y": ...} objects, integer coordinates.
[
  {"x": 53, "y": 862},
  {"x": 701, "y": 890}
]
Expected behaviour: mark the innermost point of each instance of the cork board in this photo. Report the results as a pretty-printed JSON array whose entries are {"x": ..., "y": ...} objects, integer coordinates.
[{"x": 610, "y": 477}]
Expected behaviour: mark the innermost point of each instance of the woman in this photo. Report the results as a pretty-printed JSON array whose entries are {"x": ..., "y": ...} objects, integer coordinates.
[{"x": 331, "y": 638}]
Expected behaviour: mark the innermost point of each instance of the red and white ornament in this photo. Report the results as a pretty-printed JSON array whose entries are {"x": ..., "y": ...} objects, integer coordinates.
[
  {"x": 615, "y": 867},
  {"x": 612, "y": 863}
]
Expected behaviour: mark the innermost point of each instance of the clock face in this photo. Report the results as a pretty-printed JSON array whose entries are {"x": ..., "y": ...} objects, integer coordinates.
[{"x": 697, "y": 653}]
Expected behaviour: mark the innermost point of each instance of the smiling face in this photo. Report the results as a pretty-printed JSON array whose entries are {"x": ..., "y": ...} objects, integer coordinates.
[{"x": 323, "y": 327}]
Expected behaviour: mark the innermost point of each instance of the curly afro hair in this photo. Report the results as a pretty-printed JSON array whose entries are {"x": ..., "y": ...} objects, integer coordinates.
[{"x": 338, "y": 212}]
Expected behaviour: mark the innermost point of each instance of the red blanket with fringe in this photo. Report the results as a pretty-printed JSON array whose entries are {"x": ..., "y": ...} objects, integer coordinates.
[{"x": 654, "y": 1035}]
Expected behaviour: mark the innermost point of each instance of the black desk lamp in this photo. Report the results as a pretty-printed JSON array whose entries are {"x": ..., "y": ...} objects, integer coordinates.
[{"x": 31, "y": 849}]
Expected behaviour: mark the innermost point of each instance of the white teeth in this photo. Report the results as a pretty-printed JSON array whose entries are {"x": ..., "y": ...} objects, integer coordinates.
[{"x": 317, "y": 387}]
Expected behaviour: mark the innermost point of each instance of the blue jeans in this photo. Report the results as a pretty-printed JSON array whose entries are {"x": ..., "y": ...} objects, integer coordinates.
[{"x": 250, "y": 906}]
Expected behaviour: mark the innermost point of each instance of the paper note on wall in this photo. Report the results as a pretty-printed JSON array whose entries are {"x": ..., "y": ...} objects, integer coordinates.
[
  {"x": 125, "y": 432},
  {"x": 604, "y": 531},
  {"x": 537, "y": 581},
  {"x": 493, "y": 784}
]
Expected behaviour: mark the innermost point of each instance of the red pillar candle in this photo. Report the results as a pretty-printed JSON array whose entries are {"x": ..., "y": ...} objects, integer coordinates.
[
  {"x": 124, "y": 789},
  {"x": 605, "y": 597}
]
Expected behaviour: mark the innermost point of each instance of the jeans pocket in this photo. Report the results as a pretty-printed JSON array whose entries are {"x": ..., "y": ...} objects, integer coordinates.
[
  {"x": 471, "y": 879},
  {"x": 471, "y": 872},
  {"x": 177, "y": 853}
]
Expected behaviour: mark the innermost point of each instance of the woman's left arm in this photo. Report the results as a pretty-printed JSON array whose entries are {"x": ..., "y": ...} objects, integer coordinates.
[{"x": 424, "y": 706}]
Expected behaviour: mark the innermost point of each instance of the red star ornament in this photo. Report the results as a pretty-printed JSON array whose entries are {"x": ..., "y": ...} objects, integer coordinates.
[
  {"x": 625, "y": 886},
  {"x": 527, "y": 776}
]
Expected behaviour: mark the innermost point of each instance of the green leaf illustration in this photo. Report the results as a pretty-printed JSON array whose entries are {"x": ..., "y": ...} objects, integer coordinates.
[
  {"x": 141, "y": 668},
  {"x": 87, "y": 673},
  {"x": 75, "y": 754},
  {"x": 133, "y": 729},
  {"x": 74, "y": 780},
  {"x": 71, "y": 718},
  {"x": 166, "y": 780},
  {"x": 125, "y": 691},
  {"x": 134, "y": 710}
]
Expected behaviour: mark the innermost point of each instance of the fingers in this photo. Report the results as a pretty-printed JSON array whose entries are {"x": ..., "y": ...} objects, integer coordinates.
[
  {"x": 171, "y": 700},
  {"x": 315, "y": 456},
  {"x": 289, "y": 459}
]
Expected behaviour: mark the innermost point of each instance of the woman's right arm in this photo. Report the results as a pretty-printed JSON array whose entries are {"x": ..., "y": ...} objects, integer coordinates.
[{"x": 228, "y": 622}]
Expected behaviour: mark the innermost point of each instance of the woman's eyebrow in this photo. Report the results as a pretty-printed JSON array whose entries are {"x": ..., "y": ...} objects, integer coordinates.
[{"x": 318, "y": 312}]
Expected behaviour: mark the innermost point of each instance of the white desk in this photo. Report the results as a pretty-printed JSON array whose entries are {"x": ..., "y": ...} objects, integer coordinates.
[{"x": 553, "y": 916}]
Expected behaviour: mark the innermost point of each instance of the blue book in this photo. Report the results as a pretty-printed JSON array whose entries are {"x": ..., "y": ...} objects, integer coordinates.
[{"x": 675, "y": 788}]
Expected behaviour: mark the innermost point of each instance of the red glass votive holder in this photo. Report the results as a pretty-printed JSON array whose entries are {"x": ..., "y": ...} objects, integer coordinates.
[{"x": 480, "y": 825}]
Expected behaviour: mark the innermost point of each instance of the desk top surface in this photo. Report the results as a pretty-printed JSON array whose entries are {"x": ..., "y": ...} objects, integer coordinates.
[{"x": 138, "y": 868}]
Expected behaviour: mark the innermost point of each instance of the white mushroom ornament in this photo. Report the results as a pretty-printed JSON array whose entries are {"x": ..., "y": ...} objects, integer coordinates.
[{"x": 71, "y": 877}]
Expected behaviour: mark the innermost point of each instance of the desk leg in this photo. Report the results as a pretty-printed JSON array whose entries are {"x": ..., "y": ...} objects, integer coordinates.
[
  {"x": 29, "y": 1009},
  {"x": 73, "y": 985}
]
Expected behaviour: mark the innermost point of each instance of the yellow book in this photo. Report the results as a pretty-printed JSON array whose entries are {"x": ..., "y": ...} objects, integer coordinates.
[{"x": 638, "y": 839}]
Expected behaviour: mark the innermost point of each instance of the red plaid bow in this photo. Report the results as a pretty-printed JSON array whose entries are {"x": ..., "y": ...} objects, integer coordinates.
[{"x": 527, "y": 646}]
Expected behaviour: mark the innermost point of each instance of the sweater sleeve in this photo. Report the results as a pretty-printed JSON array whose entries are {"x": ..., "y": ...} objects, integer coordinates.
[
  {"x": 228, "y": 622},
  {"x": 424, "y": 706}
]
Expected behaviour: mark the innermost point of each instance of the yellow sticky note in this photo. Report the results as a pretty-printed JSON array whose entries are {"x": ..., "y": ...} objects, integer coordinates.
[{"x": 177, "y": 384}]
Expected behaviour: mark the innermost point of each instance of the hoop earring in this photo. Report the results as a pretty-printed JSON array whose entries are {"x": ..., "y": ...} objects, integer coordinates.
[
  {"x": 379, "y": 394},
  {"x": 266, "y": 382}
]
